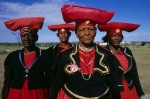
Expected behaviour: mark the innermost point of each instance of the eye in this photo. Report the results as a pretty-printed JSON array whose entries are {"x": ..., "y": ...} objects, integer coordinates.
[
  {"x": 28, "y": 35},
  {"x": 81, "y": 29},
  {"x": 92, "y": 29}
]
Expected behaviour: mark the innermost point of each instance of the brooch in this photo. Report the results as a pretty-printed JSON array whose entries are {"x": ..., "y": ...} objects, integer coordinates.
[{"x": 71, "y": 68}]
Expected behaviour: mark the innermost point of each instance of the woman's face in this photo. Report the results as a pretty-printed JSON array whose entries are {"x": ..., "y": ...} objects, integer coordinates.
[
  {"x": 86, "y": 35},
  {"x": 63, "y": 36},
  {"x": 28, "y": 39},
  {"x": 115, "y": 39}
]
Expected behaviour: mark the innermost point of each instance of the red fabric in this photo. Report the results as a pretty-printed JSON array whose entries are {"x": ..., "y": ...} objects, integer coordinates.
[
  {"x": 113, "y": 31},
  {"x": 28, "y": 30},
  {"x": 86, "y": 23},
  {"x": 18, "y": 24},
  {"x": 62, "y": 95},
  {"x": 87, "y": 61},
  {"x": 80, "y": 14},
  {"x": 63, "y": 30},
  {"x": 25, "y": 93},
  {"x": 29, "y": 58},
  {"x": 62, "y": 26},
  {"x": 113, "y": 26},
  {"x": 126, "y": 93}
]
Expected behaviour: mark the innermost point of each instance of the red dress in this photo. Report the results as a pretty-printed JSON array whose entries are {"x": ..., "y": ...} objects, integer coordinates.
[
  {"x": 25, "y": 93},
  {"x": 86, "y": 65},
  {"x": 126, "y": 93}
]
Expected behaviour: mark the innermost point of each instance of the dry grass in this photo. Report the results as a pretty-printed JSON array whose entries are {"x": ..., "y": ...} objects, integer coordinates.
[
  {"x": 142, "y": 57},
  {"x": 141, "y": 54},
  {"x": 2, "y": 57}
]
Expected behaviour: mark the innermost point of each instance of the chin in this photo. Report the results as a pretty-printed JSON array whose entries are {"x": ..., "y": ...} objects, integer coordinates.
[{"x": 88, "y": 43}]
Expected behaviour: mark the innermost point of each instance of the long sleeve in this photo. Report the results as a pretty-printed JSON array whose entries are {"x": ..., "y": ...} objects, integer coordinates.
[
  {"x": 60, "y": 76},
  {"x": 48, "y": 58},
  {"x": 135, "y": 77},
  {"x": 7, "y": 79},
  {"x": 111, "y": 78},
  {"x": 136, "y": 80}
]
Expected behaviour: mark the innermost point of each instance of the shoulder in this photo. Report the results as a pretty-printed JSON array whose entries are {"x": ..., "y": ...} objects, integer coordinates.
[
  {"x": 102, "y": 49},
  {"x": 54, "y": 46},
  {"x": 67, "y": 51},
  {"x": 14, "y": 53},
  {"x": 11, "y": 56},
  {"x": 126, "y": 49}
]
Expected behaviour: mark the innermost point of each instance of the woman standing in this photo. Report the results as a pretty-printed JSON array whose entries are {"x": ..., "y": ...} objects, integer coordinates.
[
  {"x": 84, "y": 71},
  {"x": 26, "y": 71},
  {"x": 127, "y": 75},
  {"x": 63, "y": 32}
]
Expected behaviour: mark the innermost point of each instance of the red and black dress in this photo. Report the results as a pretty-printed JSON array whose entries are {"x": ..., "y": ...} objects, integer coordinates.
[
  {"x": 27, "y": 75},
  {"x": 127, "y": 79},
  {"x": 126, "y": 93}
]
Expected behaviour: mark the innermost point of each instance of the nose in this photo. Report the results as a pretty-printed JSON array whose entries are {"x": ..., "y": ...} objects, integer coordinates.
[
  {"x": 26, "y": 37},
  {"x": 87, "y": 31}
]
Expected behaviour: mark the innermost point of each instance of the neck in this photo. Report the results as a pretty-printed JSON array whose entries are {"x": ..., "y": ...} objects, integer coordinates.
[
  {"x": 30, "y": 49},
  {"x": 86, "y": 48},
  {"x": 114, "y": 49},
  {"x": 64, "y": 45}
]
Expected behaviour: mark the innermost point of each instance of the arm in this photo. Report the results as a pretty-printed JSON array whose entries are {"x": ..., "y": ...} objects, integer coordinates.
[
  {"x": 112, "y": 78},
  {"x": 48, "y": 59},
  {"x": 135, "y": 77},
  {"x": 60, "y": 76},
  {"x": 7, "y": 79},
  {"x": 136, "y": 80}
]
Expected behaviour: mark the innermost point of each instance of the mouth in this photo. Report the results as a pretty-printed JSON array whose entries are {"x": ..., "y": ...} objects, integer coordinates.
[
  {"x": 87, "y": 38},
  {"x": 116, "y": 42},
  {"x": 26, "y": 42}
]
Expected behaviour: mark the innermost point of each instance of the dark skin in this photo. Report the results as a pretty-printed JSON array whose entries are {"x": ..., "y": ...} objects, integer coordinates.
[
  {"x": 86, "y": 35},
  {"x": 28, "y": 41},
  {"x": 114, "y": 42},
  {"x": 64, "y": 38}
]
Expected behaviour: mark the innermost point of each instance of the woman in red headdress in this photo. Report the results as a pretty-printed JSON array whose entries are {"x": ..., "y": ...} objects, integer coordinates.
[
  {"x": 127, "y": 76},
  {"x": 63, "y": 33},
  {"x": 84, "y": 71},
  {"x": 27, "y": 73}
]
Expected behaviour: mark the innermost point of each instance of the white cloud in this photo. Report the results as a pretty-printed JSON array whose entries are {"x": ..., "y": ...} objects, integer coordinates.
[{"x": 50, "y": 9}]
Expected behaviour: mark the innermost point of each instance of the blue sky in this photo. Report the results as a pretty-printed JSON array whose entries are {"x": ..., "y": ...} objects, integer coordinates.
[{"x": 131, "y": 11}]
